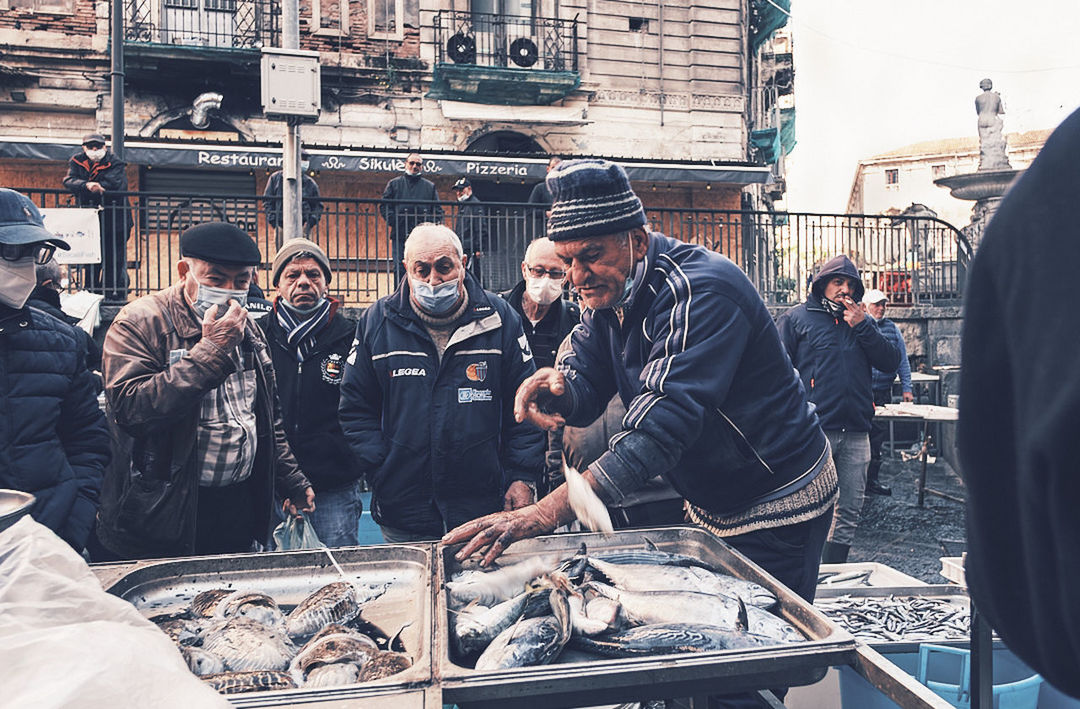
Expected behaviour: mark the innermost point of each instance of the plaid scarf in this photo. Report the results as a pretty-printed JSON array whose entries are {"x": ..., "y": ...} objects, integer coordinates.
[{"x": 301, "y": 330}]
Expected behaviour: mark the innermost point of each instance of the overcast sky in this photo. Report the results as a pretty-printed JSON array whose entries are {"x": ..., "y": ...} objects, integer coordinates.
[{"x": 872, "y": 76}]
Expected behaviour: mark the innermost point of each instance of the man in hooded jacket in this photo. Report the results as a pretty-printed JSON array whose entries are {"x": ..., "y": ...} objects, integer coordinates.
[
  {"x": 407, "y": 201},
  {"x": 834, "y": 345}
]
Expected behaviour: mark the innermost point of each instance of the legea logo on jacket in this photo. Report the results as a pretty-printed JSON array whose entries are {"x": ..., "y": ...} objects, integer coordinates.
[
  {"x": 408, "y": 372},
  {"x": 476, "y": 372}
]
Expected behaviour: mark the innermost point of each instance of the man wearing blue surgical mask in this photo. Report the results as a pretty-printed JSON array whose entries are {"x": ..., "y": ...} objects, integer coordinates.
[
  {"x": 191, "y": 390},
  {"x": 427, "y": 397}
]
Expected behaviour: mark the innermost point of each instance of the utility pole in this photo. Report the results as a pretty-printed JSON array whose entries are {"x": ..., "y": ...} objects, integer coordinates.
[
  {"x": 116, "y": 77},
  {"x": 292, "y": 189}
]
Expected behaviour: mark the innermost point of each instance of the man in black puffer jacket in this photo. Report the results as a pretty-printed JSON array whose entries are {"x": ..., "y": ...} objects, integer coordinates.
[
  {"x": 833, "y": 345},
  {"x": 53, "y": 440},
  {"x": 309, "y": 340}
]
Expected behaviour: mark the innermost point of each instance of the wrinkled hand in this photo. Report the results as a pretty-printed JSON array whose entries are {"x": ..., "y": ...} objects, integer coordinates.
[
  {"x": 907, "y": 396},
  {"x": 497, "y": 531},
  {"x": 290, "y": 508},
  {"x": 518, "y": 495},
  {"x": 853, "y": 312},
  {"x": 95, "y": 187},
  {"x": 546, "y": 382},
  {"x": 227, "y": 331}
]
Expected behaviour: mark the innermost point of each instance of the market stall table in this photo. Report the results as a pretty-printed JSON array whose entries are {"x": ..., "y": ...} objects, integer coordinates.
[{"x": 927, "y": 414}]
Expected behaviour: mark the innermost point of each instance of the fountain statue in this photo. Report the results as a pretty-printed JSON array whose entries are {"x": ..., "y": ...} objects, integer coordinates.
[{"x": 994, "y": 174}]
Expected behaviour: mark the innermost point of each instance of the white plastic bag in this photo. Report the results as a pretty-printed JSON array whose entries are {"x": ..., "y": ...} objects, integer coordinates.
[
  {"x": 64, "y": 642},
  {"x": 296, "y": 533}
]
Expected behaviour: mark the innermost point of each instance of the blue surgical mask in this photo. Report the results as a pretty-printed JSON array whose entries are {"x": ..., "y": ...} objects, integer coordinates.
[
  {"x": 439, "y": 300},
  {"x": 628, "y": 285},
  {"x": 208, "y": 296}
]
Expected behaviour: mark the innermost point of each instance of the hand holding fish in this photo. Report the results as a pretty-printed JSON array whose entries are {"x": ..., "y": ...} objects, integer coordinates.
[{"x": 546, "y": 385}]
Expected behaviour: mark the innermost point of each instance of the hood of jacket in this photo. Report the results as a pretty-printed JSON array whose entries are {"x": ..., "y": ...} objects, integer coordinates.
[{"x": 837, "y": 266}]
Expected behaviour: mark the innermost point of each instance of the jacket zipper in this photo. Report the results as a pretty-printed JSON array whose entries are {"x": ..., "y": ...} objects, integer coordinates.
[{"x": 747, "y": 442}]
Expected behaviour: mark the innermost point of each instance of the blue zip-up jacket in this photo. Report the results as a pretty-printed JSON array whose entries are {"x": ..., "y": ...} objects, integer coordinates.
[
  {"x": 834, "y": 359},
  {"x": 712, "y": 400},
  {"x": 437, "y": 440},
  {"x": 883, "y": 380}
]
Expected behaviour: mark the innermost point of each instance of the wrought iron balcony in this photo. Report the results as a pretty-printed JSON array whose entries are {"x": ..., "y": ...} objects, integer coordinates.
[{"x": 218, "y": 24}]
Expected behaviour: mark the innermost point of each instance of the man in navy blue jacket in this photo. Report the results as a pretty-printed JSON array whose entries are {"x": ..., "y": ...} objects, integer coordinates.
[
  {"x": 833, "y": 345},
  {"x": 427, "y": 400},
  {"x": 54, "y": 443},
  {"x": 712, "y": 401}
]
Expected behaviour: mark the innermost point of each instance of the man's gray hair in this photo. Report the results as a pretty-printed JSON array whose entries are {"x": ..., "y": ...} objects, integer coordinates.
[
  {"x": 430, "y": 230},
  {"x": 50, "y": 271}
]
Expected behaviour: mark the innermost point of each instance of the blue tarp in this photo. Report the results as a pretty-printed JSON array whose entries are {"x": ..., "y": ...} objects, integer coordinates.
[{"x": 767, "y": 16}]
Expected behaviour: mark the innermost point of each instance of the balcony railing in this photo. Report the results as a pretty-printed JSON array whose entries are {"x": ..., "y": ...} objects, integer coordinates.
[
  {"x": 492, "y": 40},
  {"x": 221, "y": 24},
  {"x": 915, "y": 260}
]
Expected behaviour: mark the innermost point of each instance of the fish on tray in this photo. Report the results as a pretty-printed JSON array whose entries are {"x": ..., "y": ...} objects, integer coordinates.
[
  {"x": 246, "y": 644},
  {"x": 491, "y": 587},
  {"x": 667, "y": 639},
  {"x": 531, "y": 641},
  {"x": 652, "y": 577},
  {"x": 252, "y": 681},
  {"x": 332, "y": 649},
  {"x": 337, "y": 602}
]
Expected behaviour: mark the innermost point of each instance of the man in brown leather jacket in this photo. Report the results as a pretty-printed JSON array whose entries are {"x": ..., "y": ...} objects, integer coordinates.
[{"x": 195, "y": 412}]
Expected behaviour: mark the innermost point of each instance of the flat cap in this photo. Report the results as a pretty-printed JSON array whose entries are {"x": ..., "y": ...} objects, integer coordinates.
[
  {"x": 93, "y": 138},
  {"x": 220, "y": 242},
  {"x": 462, "y": 184},
  {"x": 299, "y": 247}
]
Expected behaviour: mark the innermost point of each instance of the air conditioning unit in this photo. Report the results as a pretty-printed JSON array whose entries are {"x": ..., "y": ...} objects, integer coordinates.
[{"x": 523, "y": 52}]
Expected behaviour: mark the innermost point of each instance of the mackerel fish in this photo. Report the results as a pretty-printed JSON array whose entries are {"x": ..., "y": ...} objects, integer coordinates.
[
  {"x": 533, "y": 641},
  {"x": 667, "y": 639},
  {"x": 649, "y": 577}
]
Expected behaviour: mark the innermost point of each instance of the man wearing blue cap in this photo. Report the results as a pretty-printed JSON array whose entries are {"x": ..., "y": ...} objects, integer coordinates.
[
  {"x": 191, "y": 390},
  {"x": 53, "y": 441},
  {"x": 713, "y": 403}
]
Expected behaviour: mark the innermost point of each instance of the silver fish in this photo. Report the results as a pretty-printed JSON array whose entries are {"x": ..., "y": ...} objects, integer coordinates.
[
  {"x": 250, "y": 604},
  {"x": 652, "y": 607},
  {"x": 245, "y": 644},
  {"x": 491, "y": 587},
  {"x": 534, "y": 641},
  {"x": 202, "y": 662},
  {"x": 385, "y": 664},
  {"x": 337, "y": 602},
  {"x": 331, "y": 649},
  {"x": 254, "y": 681},
  {"x": 651, "y": 554},
  {"x": 667, "y": 639},
  {"x": 474, "y": 627},
  {"x": 649, "y": 577}
]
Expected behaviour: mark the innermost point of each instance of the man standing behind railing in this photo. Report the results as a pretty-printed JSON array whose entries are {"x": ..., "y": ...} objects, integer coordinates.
[
  {"x": 94, "y": 176},
  {"x": 408, "y": 200},
  {"x": 311, "y": 204}
]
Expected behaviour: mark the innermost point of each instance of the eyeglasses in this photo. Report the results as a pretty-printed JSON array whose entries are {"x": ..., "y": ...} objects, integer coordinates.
[
  {"x": 414, "y": 162},
  {"x": 556, "y": 273},
  {"x": 94, "y": 146},
  {"x": 16, "y": 252}
]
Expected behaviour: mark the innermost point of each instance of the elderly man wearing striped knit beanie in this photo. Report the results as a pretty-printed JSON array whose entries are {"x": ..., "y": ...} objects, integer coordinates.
[{"x": 712, "y": 400}]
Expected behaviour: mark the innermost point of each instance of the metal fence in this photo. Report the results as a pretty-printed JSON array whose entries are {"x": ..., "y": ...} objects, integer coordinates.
[
  {"x": 224, "y": 24},
  {"x": 497, "y": 40},
  {"x": 915, "y": 260}
]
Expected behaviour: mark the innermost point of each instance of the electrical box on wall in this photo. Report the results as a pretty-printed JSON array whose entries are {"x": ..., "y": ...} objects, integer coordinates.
[{"x": 291, "y": 86}]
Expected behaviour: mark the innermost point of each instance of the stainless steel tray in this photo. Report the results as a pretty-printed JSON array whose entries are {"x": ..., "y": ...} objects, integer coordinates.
[
  {"x": 615, "y": 680},
  {"x": 167, "y": 586}
]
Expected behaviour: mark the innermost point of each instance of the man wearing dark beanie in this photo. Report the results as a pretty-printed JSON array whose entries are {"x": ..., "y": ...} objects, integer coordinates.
[
  {"x": 309, "y": 340},
  {"x": 190, "y": 387},
  {"x": 713, "y": 403}
]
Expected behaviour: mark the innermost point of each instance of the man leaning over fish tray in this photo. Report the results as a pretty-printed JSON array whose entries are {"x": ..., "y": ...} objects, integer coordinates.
[
  {"x": 712, "y": 400},
  {"x": 192, "y": 397}
]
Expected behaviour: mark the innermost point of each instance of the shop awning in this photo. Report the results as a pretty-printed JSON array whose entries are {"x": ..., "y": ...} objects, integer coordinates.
[{"x": 243, "y": 157}]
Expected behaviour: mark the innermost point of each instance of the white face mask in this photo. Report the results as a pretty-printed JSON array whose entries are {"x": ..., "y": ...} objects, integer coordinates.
[
  {"x": 96, "y": 154},
  {"x": 439, "y": 300},
  {"x": 462, "y": 197},
  {"x": 208, "y": 296},
  {"x": 17, "y": 281},
  {"x": 305, "y": 165},
  {"x": 544, "y": 290}
]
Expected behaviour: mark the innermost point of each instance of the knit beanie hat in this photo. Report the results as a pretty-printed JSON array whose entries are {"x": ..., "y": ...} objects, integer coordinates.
[
  {"x": 295, "y": 247},
  {"x": 591, "y": 198}
]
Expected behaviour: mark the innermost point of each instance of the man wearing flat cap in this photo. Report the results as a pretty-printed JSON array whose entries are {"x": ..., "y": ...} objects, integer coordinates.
[
  {"x": 471, "y": 226},
  {"x": 713, "y": 403},
  {"x": 191, "y": 391},
  {"x": 95, "y": 176},
  {"x": 309, "y": 340},
  {"x": 53, "y": 437}
]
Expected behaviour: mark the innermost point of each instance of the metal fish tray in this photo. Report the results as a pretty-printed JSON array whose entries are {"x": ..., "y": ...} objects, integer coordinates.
[
  {"x": 168, "y": 585},
  {"x": 606, "y": 681},
  {"x": 14, "y": 505},
  {"x": 949, "y": 594}
]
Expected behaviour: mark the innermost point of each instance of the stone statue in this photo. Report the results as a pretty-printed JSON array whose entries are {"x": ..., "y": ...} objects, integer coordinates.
[{"x": 991, "y": 138}]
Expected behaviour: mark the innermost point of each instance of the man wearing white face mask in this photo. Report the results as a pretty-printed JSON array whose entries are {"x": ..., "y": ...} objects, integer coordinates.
[
  {"x": 191, "y": 390},
  {"x": 427, "y": 398},
  {"x": 311, "y": 206},
  {"x": 53, "y": 436},
  {"x": 95, "y": 176}
]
